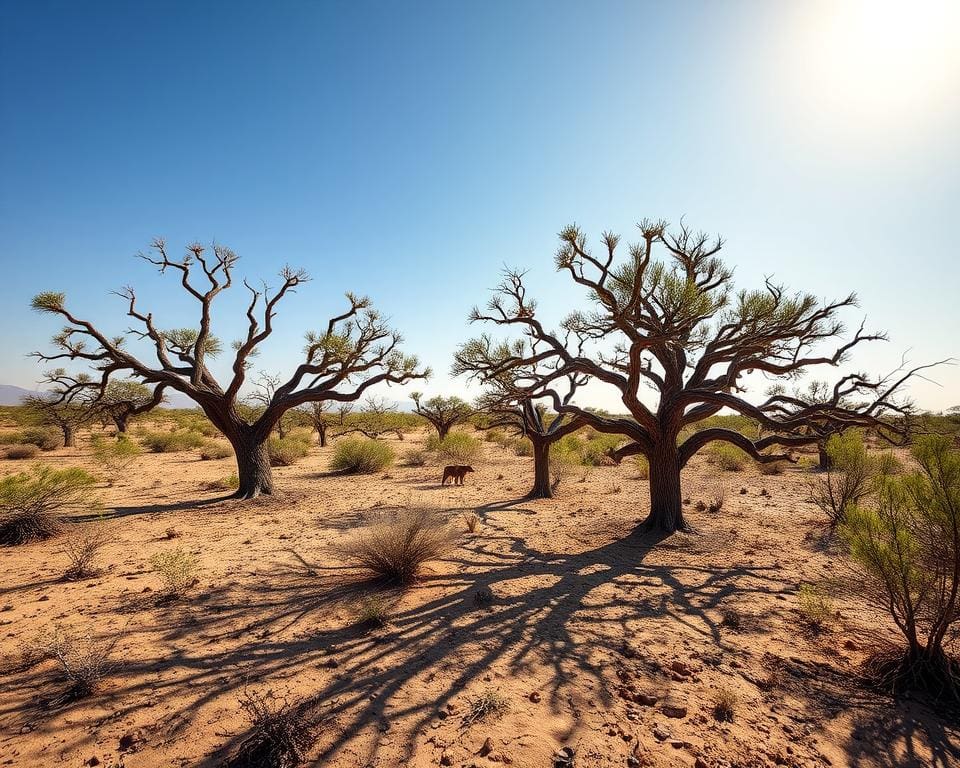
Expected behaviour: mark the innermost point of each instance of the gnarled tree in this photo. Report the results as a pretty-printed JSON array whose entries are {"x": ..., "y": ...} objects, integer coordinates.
[
  {"x": 68, "y": 406},
  {"x": 355, "y": 351},
  {"x": 509, "y": 402},
  {"x": 123, "y": 399},
  {"x": 443, "y": 412},
  {"x": 674, "y": 325}
]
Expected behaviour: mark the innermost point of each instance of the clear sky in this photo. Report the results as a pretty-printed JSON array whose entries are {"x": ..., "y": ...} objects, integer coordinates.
[{"x": 410, "y": 150}]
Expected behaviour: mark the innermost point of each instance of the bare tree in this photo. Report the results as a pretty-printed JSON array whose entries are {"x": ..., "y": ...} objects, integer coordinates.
[
  {"x": 356, "y": 350},
  {"x": 265, "y": 387},
  {"x": 509, "y": 403},
  {"x": 675, "y": 326},
  {"x": 443, "y": 413},
  {"x": 322, "y": 418}
]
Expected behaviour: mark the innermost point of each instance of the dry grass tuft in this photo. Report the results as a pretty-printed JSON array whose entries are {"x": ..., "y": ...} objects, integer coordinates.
[
  {"x": 395, "y": 547},
  {"x": 81, "y": 550},
  {"x": 815, "y": 606},
  {"x": 83, "y": 659},
  {"x": 472, "y": 521},
  {"x": 177, "y": 568},
  {"x": 724, "y": 705},
  {"x": 21, "y": 451},
  {"x": 279, "y": 733}
]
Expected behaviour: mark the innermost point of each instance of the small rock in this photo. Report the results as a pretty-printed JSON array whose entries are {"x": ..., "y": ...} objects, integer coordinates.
[
  {"x": 850, "y": 645},
  {"x": 700, "y": 763},
  {"x": 487, "y": 747},
  {"x": 446, "y": 759},
  {"x": 681, "y": 668},
  {"x": 673, "y": 709},
  {"x": 535, "y": 697},
  {"x": 130, "y": 740},
  {"x": 43, "y": 598},
  {"x": 645, "y": 699},
  {"x": 660, "y": 734},
  {"x": 93, "y": 760}
]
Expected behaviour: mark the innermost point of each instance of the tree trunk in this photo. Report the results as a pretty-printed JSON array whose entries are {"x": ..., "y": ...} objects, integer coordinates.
[
  {"x": 541, "y": 471},
  {"x": 442, "y": 430},
  {"x": 666, "y": 504},
  {"x": 281, "y": 429},
  {"x": 120, "y": 421},
  {"x": 253, "y": 466},
  {"x": 68, "y": 436},
  {"x": 322, "y": 434},
  {"x": 825, "y": 461}
]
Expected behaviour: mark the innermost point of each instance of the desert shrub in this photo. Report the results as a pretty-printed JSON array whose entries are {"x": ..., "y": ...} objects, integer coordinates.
[
  {"x": 521, "y": 446},
  {"x": 906, "y": 550},
  {"x": 10, "y": 438},
  {"x": 84, "y": 660},
  {"x": 114, "y": 457},
  {"x": 726, "y": 456},
  {"x": 458, "y": 448},
  {"x": 724, "y": 705},
  {"x": 278, "y": 736},
  {"x": 716, "y": 500},
  {"x": 887, "y": 463},
  {"x": 44, "y": 439},
  {"x": 21, "y": 451},
  {"x": 373, "y": 611},
  {"x": 772, "y": 467},
  {"x": 415, "y": 458},
  {"x": 815, "y": 606},
  {"x": 361, "y": 455},
  {"x": 494, "y": 436},
  {"x": 215, "y": 449},
  {"x": 286, "y": 451},
  {"x": 81, "y": 550},
  {"x": 490, "y": 703},
  {"x": 177, "y": 568},
  {"x": 228, "y": 483},
  {"x": 171, "y": 442},
  {"x": 597, "y": 447},
  {"x": 395, "y": 547},
  {"x": 848, "y": 480},
  {"x": 642, "y": 466},
  {"x": 472, "y": 521},
  {"x": 31, "y": 502},
  {"x": 562, "y": 462}
]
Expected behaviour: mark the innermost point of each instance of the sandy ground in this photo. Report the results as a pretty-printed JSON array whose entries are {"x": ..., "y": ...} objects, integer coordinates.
[{"x": 586, "y": 621}]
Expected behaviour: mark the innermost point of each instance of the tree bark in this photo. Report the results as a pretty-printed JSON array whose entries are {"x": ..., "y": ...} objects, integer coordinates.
[
  {"x": 541, "y": 471},
  {"x": 322, "y": 434},
  {"x": 824, "y": 457},
  {"x": 120, "y": 422},
  {"x": 666, "y": 504},
  {"x": 442, "y": 430},
  {"x": 68, "y": 436},
  {"x": 253, "y": 466}
]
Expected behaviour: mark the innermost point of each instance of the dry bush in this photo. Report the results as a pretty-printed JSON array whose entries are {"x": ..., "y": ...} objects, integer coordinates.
[
  {"x": 724, "y": 705},
  {"x": 642, "y": 467},
  {"x": 521, "y": 446},
  {"x": 45, "y": 439},
  {"x": 728, "y": 457},
  {"x": 286, "y": 451},
  {"x": 177, "y": 568},
  {"x": 228, "y": 483},
  {"x": 21, "y": 451},
  {"x": 849, "y": 479},
  {"x": 361, "y": 456},
  {"x": 732, "y": 619},
  {"x": 815, "y": 606},
  {"x": 279, "y": 734},
  {"x": 114, "y": 457},
  {"x": 562, "y": 462},
  {"x": 490, "y": 703},
  {"x": 614, "y": 488},
  {"x": 473, "y": 522},
  {"x": 373, "y": 611},
  {"x": 455, "y": 448},
  {"x": 717, "y": 499},
  {"x": 84, "y": 659},
  {"x": 31, "y": 502},
  {"x": 215, "y": 449},
  {"x": 81, "y": 550},
  {"x": 415, "y": 458},
  {"x": 395, "y": 547},
  {"x": 172, "y": 442},
  {"x": 494, "y": 436}
]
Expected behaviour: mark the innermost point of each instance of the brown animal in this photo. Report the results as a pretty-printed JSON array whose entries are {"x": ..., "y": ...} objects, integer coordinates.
[{"x": 455, "y": 471}]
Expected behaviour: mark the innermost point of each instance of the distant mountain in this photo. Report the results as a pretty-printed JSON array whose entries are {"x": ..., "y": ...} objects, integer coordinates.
[{"x": 11, "y": 395}]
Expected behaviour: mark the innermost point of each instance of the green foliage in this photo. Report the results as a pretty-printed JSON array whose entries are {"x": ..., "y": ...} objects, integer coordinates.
[
  {"x": 642, "y": 466},
  {"x": 228, "y": 483},
  {"x": 115, "y": 457},
  {"x": 728, "y": 457},
  {"x": 815, "y": 606},
  {"x": 177, "y": 569},
  {"x": 361, "y": 456},
  {"x": 215, "y": 449},
  {"x": 906, "y": 548},
  {"x": 521, "y": 446},
  {"x": 44, "y": 439},
  {"x": 171, "y": 442},
  {"x": 287, "y": 451},
  {"x": 31, "y": 502},
  {"x": 455, "y": 448},
  {"x": 849, "y": 479},
  {"x": 563, "y": 459}
]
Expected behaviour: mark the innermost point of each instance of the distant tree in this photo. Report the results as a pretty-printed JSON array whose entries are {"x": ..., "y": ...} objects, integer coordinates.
[
  {"x": 675, "y": 327},
  {"x": 265, "y": 387},
  {"x": 123, "y": 399},
  {"x": 507, "y": 402},
  {"x": 355, "y": 351},
  {"x": 323, "y": 418},
  {"x": 68, "y": 407},
  {"x": 443, "y": 413}
]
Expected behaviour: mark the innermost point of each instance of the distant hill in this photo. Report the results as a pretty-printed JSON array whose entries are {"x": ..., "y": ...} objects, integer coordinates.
[{"x": 11, "y": 395}]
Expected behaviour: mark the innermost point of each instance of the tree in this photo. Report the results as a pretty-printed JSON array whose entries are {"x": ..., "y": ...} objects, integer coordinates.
[
  {"x": 674, "y": 325},
  {"x": 443, "y": 413},
  {"x": 509, "y": 404},
  {"x": 124, "y": 399},
  {"x": 378, "y": 417},
  {"x": 68, "y": 407},
  {"x": 906, "y": 549},
  {"x": 265, "y": 387},
  {"x": 356, "y": 350},
  {"x": 322, "y": 418}
]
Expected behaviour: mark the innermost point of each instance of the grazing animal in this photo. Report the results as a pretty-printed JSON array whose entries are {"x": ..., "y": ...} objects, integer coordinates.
[{"x": 456, "y": 472}]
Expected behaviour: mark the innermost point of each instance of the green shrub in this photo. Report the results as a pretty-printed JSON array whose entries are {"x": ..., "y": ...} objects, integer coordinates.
[
  {"x": 115, "y": 457},
  {"x": 215, "y": 449},
  {"x": 848, "y": 481},
  {"x": 596, "y": 449},
  {"x": 415, "y": 458},
  {"x": 44, "y": 439},
  {"x": 458, "y": 448},
  {"x": 177, "y": 568},
  {"x": 562, "y": 461},
  {"x": 361, "y": 455},
  {"x": 521, "y": 446},
  {"x": 906, "y": 551},
  {"x": 31, "y": 502},
  {"x": 726, "y": 456},
  {"x": 642, "y": 466},
  {"x": 887, "y": 463},
  {"x": 815, "y": 606},
  {"x": 286, "y": 451},
  {"x": 494, "y": 436},
  {"x": 172, "y": 442},
  {"x": 228, "y": 483},
  {"x": 21, "y": 451}
]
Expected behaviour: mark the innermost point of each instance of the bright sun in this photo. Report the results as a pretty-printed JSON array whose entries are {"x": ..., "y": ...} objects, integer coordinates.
[{"x": 869, "y": 62}]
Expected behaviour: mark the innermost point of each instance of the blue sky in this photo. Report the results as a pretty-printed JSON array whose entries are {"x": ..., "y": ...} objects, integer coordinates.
[{"x": 409, "y": 151}]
